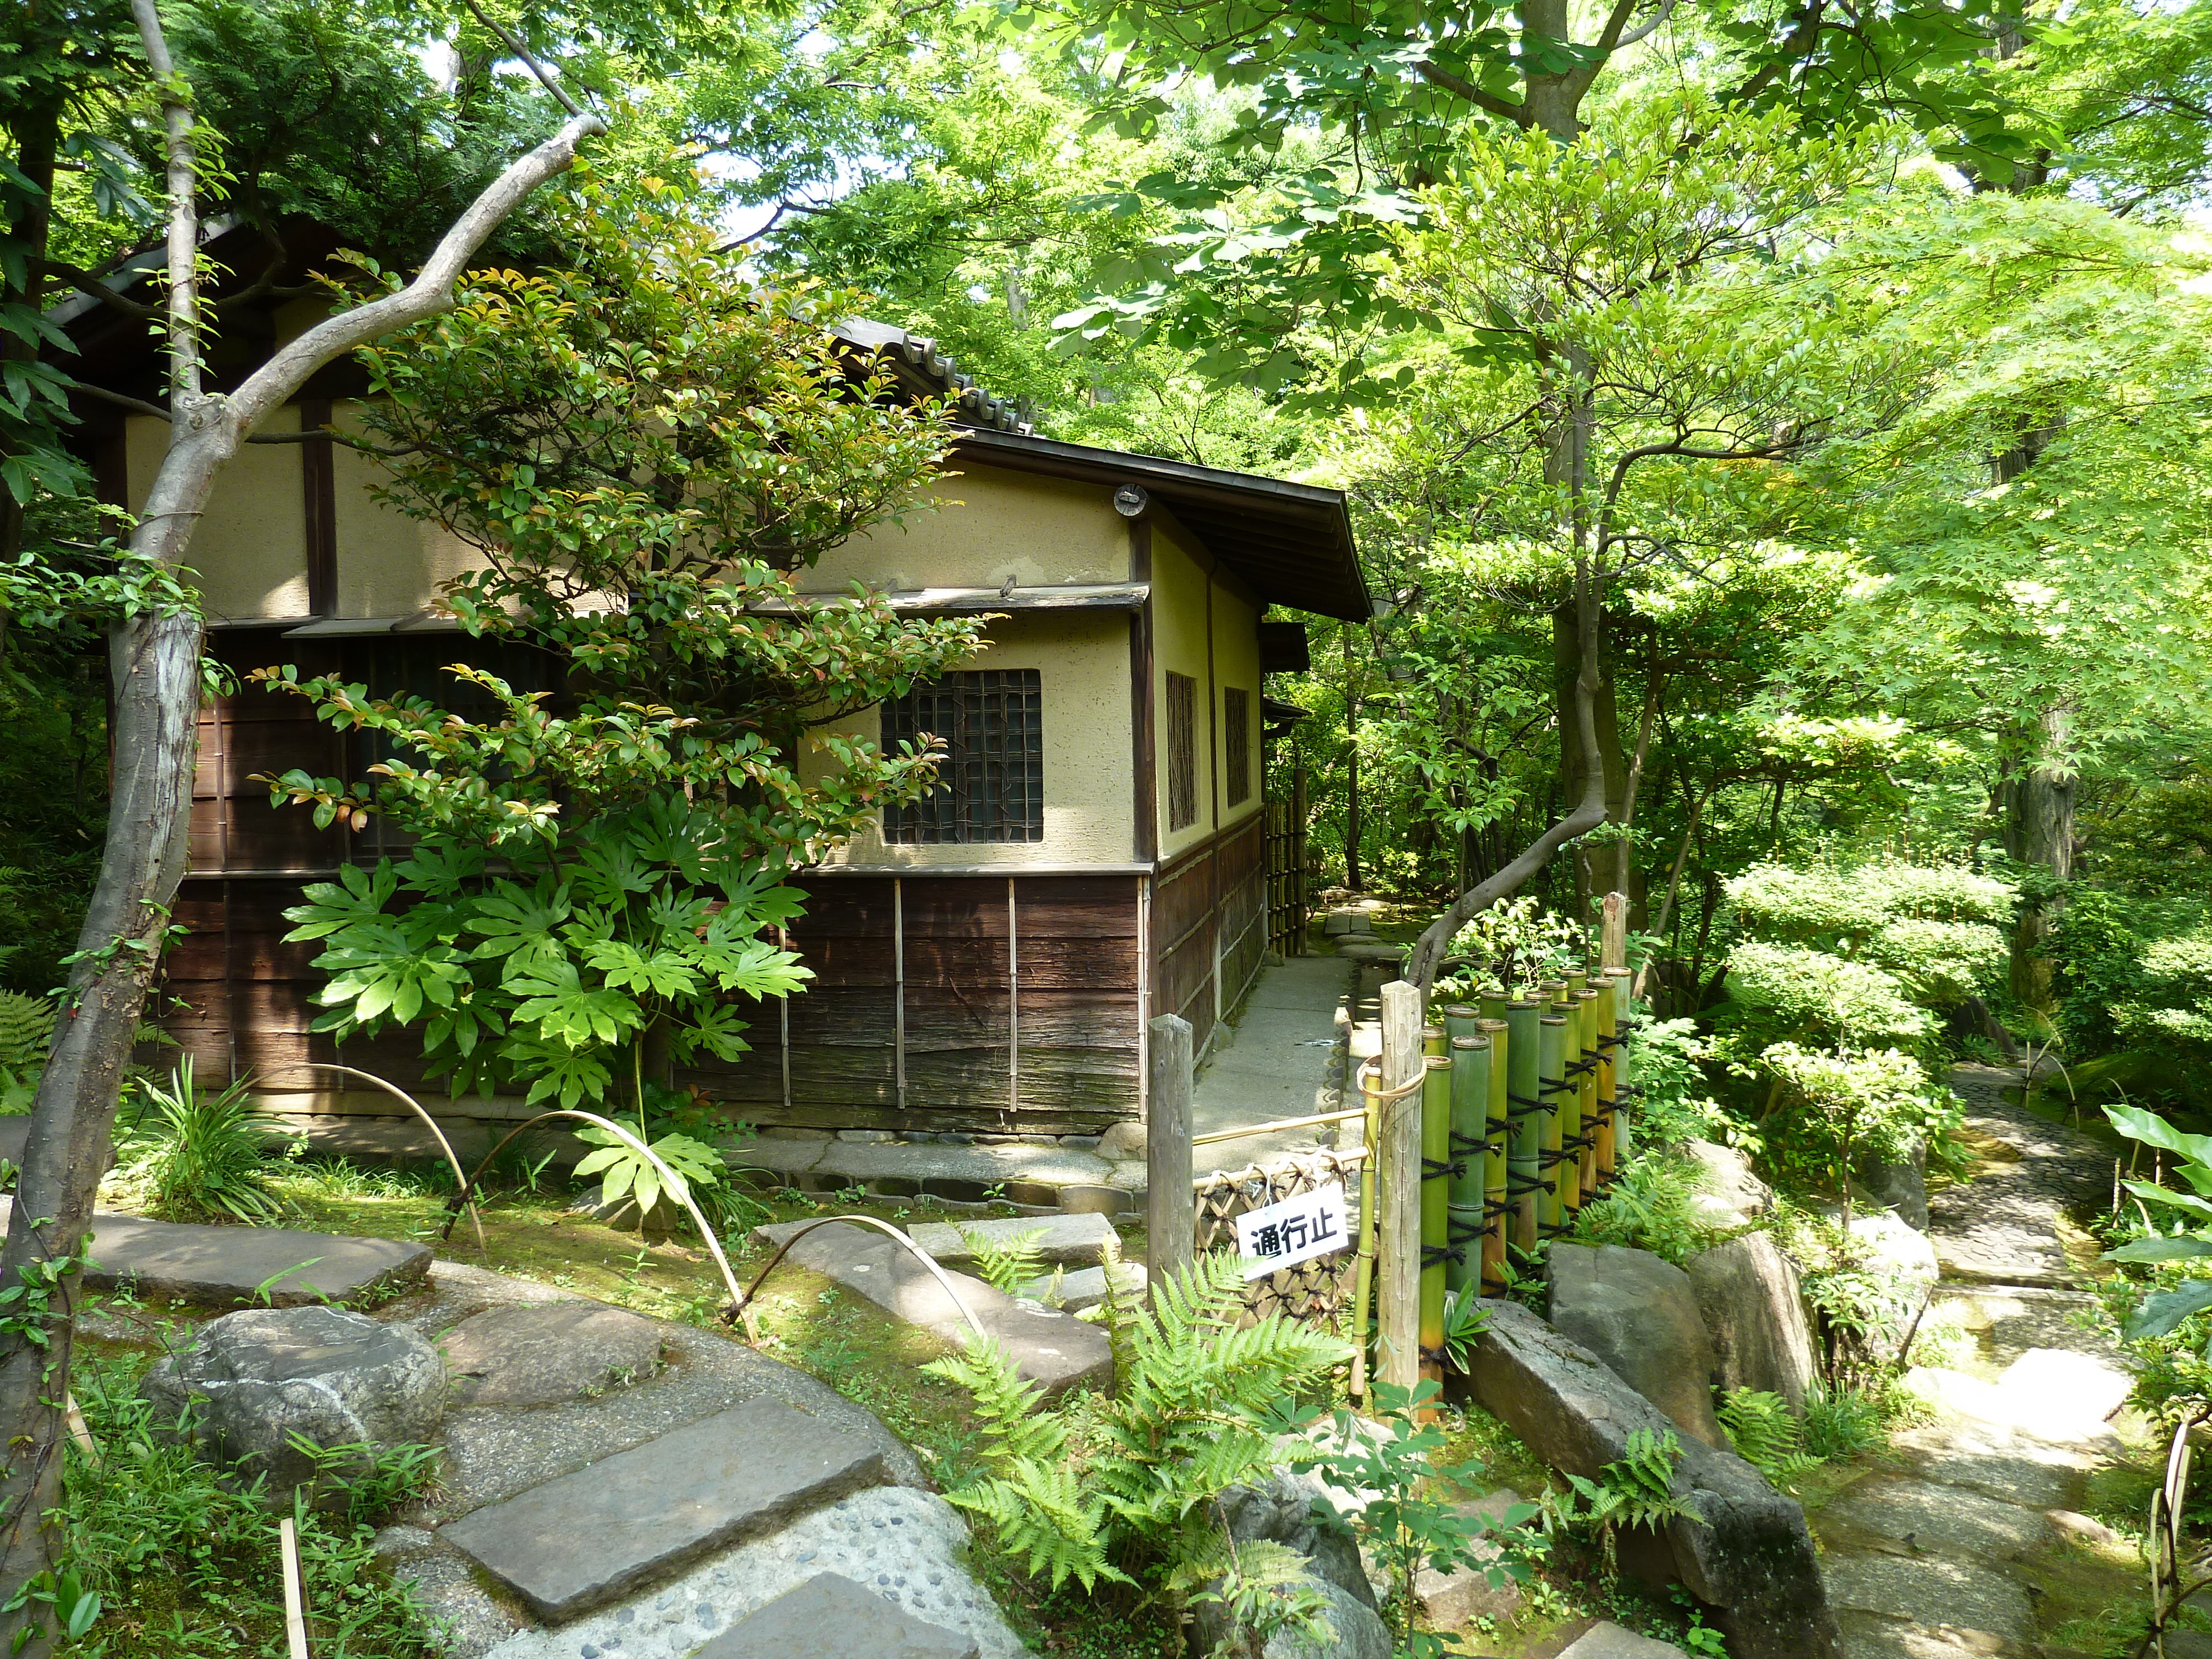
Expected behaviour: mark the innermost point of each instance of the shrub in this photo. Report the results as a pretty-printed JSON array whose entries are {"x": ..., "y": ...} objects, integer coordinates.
[
  {"x": 1648, "y": 1207},
  {"x": 1122, "y": 1488},
  {"x": 27, "y": 1027},
  {"x": 1864, "y": 1100},
  {"x": 199, "y": 1155},
  {"x": 1766, "y": 1434},
  {"x": 1791, "y": 990},
  {"x": 1673, "y": 1105},
  {"x": 1942, "y": 962}
]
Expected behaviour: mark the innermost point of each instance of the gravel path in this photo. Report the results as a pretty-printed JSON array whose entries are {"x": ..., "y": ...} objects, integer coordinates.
[{"x": 1972, "y": 1542}]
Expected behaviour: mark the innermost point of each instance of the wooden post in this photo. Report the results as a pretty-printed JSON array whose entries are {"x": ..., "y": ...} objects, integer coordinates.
[
  {"x": 1612, "y": 950},
  {"x": 1298, "y": 859},
  {"x": 1170, "y": 1206},
  {"x": 1398, "y": 1268}
]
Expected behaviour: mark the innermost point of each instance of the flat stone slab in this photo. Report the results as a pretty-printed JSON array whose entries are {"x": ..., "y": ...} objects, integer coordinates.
[
  {"x": 1053, "y": 1349},
  {"x": 1924, "y": 1516},
  {"x": 1932, "y": 1590},
  {"x": 542, "y": 1355},
  {"x": 1060, "y": 1241},
  {"x": 591, "y": 1537},
  {"x": 831, "y": 1617},
  {"x": 1607, "y": 1640},
  {"x": 1087, "y": 1289},
  {"x": 226, "y": 1266}
]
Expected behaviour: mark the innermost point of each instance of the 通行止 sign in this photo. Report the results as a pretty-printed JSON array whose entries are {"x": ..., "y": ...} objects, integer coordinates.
[{"x": 1297, "y": 1230}]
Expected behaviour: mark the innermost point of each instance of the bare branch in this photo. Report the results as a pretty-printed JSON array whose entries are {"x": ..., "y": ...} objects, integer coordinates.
[
  {"x": 1428, "y": 953},
  {"x": 514, "y": 46},
  {"x": 78, "y": 277},
  {"x": 274, "y": 383},
  {"x": 1657, "y": 21},
  {"x": 1445, "y": 81},
  {"x": 183, "y": 181}
]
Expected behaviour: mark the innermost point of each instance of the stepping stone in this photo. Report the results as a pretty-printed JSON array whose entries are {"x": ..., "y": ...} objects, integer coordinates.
[
  {"x": 1932, "y": 1589},
  {"x": 226, "y": 1266},
  {"x": 1607, "y": 1640},
  {"x": 1061, "y": 1240},
  {"x": 1926, "y": 1516},
  {"x": 831, "y": 1617},
  {"x": 1087, "y": 1289},
  {"x": 591, "y": 1537},
  {"x": 542, "y": 1355},
  {"x": 1056, "y": 1350}
]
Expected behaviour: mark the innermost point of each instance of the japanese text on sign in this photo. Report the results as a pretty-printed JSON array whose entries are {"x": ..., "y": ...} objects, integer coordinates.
[{"x": 1297, "y": 1230}]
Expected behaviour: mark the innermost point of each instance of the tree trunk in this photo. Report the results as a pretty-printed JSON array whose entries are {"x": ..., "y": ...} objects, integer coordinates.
[
  {"x": 2043, "y": 827},
  {"x": 1352, "y": 825},
  {"x": 155, "y": 664}
]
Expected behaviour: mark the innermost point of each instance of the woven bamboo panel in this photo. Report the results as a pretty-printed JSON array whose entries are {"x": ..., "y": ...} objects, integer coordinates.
[{"x": 1317, "y": 1293}]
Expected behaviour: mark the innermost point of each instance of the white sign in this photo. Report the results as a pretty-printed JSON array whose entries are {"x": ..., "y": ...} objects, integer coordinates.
[{"x": 1297, "y": 1230}]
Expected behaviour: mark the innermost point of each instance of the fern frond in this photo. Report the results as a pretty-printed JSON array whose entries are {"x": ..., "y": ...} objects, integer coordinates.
[{"x": 1007, "y": 1406}]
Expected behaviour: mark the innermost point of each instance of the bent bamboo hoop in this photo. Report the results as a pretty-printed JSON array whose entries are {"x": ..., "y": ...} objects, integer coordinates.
[
  {"x": 897, "y": 1237},
  {"x": 295, "y": 1622},
  {"x": 444, "y": 1144},
  {"x": 669, "y": 1180}
]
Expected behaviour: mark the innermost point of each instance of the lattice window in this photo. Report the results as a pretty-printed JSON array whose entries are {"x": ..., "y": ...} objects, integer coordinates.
[
  {"x": 1237, "y": 745},
  {"x": 1183, "y": 751},
  {"x": 990, "y": 785}
]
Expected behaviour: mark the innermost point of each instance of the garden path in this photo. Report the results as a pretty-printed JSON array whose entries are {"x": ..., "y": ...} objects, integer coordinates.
[
  {"x": 1281, "y": 1058},
  {"x": 1972, "y": 1542}
]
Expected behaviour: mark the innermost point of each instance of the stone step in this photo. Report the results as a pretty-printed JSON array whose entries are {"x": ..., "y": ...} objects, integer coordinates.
[
  {"x": 831, "y": 1617},
  {"x": 1057, "y": 1241},
  {"x": 595, "y": 1536},
  {"x": 1056, "y": 1350},
  {"x": 227, "y": 1267}
]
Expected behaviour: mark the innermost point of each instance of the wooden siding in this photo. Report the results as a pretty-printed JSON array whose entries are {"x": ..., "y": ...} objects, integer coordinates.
[
  {"x": 1209, "y": 928},
  {"x": 952, "y": 1003}
]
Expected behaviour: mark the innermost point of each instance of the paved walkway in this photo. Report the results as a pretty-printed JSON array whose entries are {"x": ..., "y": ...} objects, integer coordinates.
[
  {"x": 1972, "y": 1542},
  {"x": 1283, "y": 1058}
]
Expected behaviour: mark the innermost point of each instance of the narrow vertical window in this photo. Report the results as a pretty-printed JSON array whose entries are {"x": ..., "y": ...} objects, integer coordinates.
[
  {"x": 1183, "y": 751},
  {"x": 1237, "y": 745},
  {"x": 990, "y": 784}
]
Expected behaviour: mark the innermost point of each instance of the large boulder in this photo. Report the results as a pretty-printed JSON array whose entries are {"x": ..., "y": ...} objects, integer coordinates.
[
  {"x": 1754, "y": 1312},
  {"x": 1733, "y": 1195},
  {"x": 1449, "y": 1600},
  {"x": 1899, "y": 1184},
  {"x": 1747, "y": 1554},
  {"x": 1354, "y": 1630},
  {"x": 252, "y": 1380},
  {"x": 1638, "y": 1313}
]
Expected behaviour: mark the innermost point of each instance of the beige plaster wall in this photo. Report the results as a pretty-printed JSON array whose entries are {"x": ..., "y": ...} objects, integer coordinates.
[
  {"x": 989, "y": 524},
  {"x": 251, "y": 547},
  {"x": 1082, "y": 662},
  {"x": 1236, "y": 663},
  {"x": 389, "y": 564},
  {"x": 1179, "y": 585}
]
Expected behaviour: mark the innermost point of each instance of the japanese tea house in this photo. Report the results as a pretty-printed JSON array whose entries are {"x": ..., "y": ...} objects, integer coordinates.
[{"x": 987, "y": 961}]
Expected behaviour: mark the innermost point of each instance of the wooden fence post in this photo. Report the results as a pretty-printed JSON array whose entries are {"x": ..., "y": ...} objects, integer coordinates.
[
  {"x": 1170, "y": 1206},
  {"x": 1398, "y": 1336},
  {"x": 1613, "y": 946}
]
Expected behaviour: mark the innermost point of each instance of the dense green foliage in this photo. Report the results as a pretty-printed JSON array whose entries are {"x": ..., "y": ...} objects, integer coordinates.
[{"x": 1120, "y": 1486}]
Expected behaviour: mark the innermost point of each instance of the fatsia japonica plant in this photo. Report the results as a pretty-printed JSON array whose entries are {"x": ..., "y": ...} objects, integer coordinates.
[{"x": 645, "y": 449}]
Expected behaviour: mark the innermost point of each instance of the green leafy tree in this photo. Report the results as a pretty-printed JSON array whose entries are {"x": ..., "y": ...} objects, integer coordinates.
[{"x": 645, "y": 448}]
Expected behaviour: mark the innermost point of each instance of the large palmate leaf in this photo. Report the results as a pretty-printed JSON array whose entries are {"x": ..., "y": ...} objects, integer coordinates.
[{"x": 2161, "y": 1310}]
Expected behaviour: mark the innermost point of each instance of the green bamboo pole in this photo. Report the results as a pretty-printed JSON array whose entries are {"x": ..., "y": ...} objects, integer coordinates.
[
  {"x": 1470, "y": 1112},
  {"x": 1371, "y": 1092},
  {"x": 1623, "y": 1058},
  {"x": 1551, "y": 1090},
  {"x": 1523, "y": 1169},
  {"x": 1494, "y": 1004},
  {"x": 1494, "y": 1162},
  {"x": 1608, "y": 999},
  {"x": 1565, "y": 1174},
  {"x": 1435, "y": 1193},
  {"x": 1588, "y": 1160}
]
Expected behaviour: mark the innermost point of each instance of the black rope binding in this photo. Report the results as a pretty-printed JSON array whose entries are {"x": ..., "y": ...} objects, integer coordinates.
[
  {"x": 1432, "y": 1171},
  {"x": 1522, "y": 1185},
  {"x": 1525, "y": 1105}
]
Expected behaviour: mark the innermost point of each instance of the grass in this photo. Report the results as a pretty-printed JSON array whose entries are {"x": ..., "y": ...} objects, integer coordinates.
[{"x": 187, "y": 1567}]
